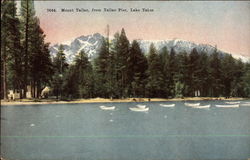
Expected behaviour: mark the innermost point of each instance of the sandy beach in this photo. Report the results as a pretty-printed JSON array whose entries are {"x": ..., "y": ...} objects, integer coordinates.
[{"x": 103, "y": 100}]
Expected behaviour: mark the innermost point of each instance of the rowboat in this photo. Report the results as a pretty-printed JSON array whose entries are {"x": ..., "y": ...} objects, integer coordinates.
[
  {"x": 107, "y": 108},
  {"x": 201, "y": 107},
  {"x": 228, "y": 106},
  {"x": 245, "y": 104},
  {"x": 233, "y": 102},
  {"x": 167, "y": 105},
  {"x": 192, "y": 104},
  {"x": 141, "y": 106},
  {"x": 136, "y": 109}
]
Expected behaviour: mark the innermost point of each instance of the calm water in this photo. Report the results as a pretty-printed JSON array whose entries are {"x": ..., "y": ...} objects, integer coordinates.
[{"x": 84, "y": 131}]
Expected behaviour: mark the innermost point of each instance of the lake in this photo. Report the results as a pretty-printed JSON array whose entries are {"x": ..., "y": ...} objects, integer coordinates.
[{"x": 84, "y": 131}]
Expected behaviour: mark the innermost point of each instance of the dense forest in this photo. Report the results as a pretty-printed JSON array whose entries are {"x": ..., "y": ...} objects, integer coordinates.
[{"x": 121, "y": 69}]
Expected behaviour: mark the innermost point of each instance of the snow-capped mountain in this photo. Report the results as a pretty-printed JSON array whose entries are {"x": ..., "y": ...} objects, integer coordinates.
[
  {"x": 92, "y": 43},
  {"x": 177, "y": 44}
]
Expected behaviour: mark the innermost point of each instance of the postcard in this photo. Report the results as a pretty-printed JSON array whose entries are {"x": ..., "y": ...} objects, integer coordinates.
[{"x": 125, "y": 80}]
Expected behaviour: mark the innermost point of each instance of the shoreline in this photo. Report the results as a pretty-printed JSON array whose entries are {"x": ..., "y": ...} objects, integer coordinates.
[{"x": 104, "y": 100}]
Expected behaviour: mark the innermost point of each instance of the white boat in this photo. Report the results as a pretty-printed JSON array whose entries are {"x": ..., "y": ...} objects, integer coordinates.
[
  {"x": 233, "y": 102},
  {"x": 167, "y": 105},
  {"x": 136, "y": 109},
  {"x": 201, "y": 107},
  {"x": 192, "y": 104},
  {"x": 228, "y": 106},
  {"x": 107, "y": 108},
  {"x": 245, "y": 104},
  {"x": 141, "y": 106}
]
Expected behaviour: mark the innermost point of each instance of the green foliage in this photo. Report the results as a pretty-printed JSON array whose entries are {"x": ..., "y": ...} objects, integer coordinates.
[
  {"x": 78, "y": 80},
  {"x": 137, "y": 66},
  {"x": 120, "y": 70},
  {"x": 102, "y": 67},
  {"x": 179, "y": 87},
  {"x": 215, "y": 75},
  {"x": 246, "y": 81},
  {"x": 11, "y": 59},
  {"x": 155, "y": 81},
  {"x": 60, "y": 67}
]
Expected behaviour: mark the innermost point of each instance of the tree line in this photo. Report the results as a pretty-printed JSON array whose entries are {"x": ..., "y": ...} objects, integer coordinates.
[
  {"x": 121, "y": 69},
  {"x": 25, "y": 57}
]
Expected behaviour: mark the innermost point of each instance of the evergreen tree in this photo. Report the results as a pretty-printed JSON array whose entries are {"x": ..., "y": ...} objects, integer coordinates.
[
  {"x": 137, "y": 66},
  {"x": 204, "y": 75},
  {"x": 84, "y": 69},
  {"x": 164, "y": 59},
  {"x": 28, "y": 24},
  {"x": 194, "y": 69},
  {"x": 115, "y": 90},
  {"x": 246, "y": 80},
  {"x": 171, "y": 70},
  {"x": 237, "y": 88},
  {"x": 121, "y": 50},
  {"x": 155, "y": 81},
  {"x": 40, "y": 62},
  {"x": 228, "y": 71},
  {"x": 79, "y": 78},
  {"x": 10, "y": 48},
  {"x": 60, "y": 67},
  {"x": 215, "y": 74},
  {"x": 182, "y": 75},
  {"x": 102, "y": 74}
]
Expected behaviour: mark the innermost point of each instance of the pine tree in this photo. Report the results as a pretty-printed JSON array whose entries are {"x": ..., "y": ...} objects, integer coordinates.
[
  {"x": 27, "y": 23},
  {"x": 237, "y": 88},
  {"x": 137, "y": 66},
  {"x": 215, "y": 74},
  {"x": 246, "y": 80},
  {"x": 155, "y": 81},
  {"x": 228, "y": 71},
  {"x": 60, "y": 67},
  {"x": 84, "y": 69},
  {"x": 40, "y": 62},
  {"x": 204, "y": 75},
  {"x": 182, "y": 75},
  {"x": 121, "y": 51},
  {"x": 79, "y": 78},
  {"x": 171, "y": 70},
  {"x": 10, "y": 48},
  {"x": 164, "y": 59},
  {"x": 194, "y": 69},
  {"x": 102, "y": 74}
]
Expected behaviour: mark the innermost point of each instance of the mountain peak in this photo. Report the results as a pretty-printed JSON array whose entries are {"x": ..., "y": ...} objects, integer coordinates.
[{"x": 91, "y": 44}]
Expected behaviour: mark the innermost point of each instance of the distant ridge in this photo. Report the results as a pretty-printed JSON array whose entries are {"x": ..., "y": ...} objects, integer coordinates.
[{"x": 92, "y": 43}]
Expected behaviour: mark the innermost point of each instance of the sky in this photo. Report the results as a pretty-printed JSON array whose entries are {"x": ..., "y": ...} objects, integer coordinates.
[{"x": 220, "y": 23}]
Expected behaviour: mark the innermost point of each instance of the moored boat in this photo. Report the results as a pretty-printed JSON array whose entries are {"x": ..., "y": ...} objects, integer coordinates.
[
  {"x": 167, "y": 105},
  {"x": 233, "y": 102},
  {"x": 245, "y": 104},
  {"x": 228, "y": 106},
  {"x": 201, "y": 107},
  {"x": 141, "y": 106},
  {"x": 139, "y": 109},
  {"x": 192, "y": 104},
  {"x": 107, "y": 108}
]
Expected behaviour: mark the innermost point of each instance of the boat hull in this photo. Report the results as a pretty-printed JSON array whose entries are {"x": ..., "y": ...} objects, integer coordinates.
[
  {"x": 232, "y": 102},
  {"x": 107, "y": 108},
  {"x": 202, "y": 107},
  {"x": 167, "y": 105},
  {"x": 228, "y": 106},
  {"x": 192, "y": 104},
  {"x": 139, "y": 109}
]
